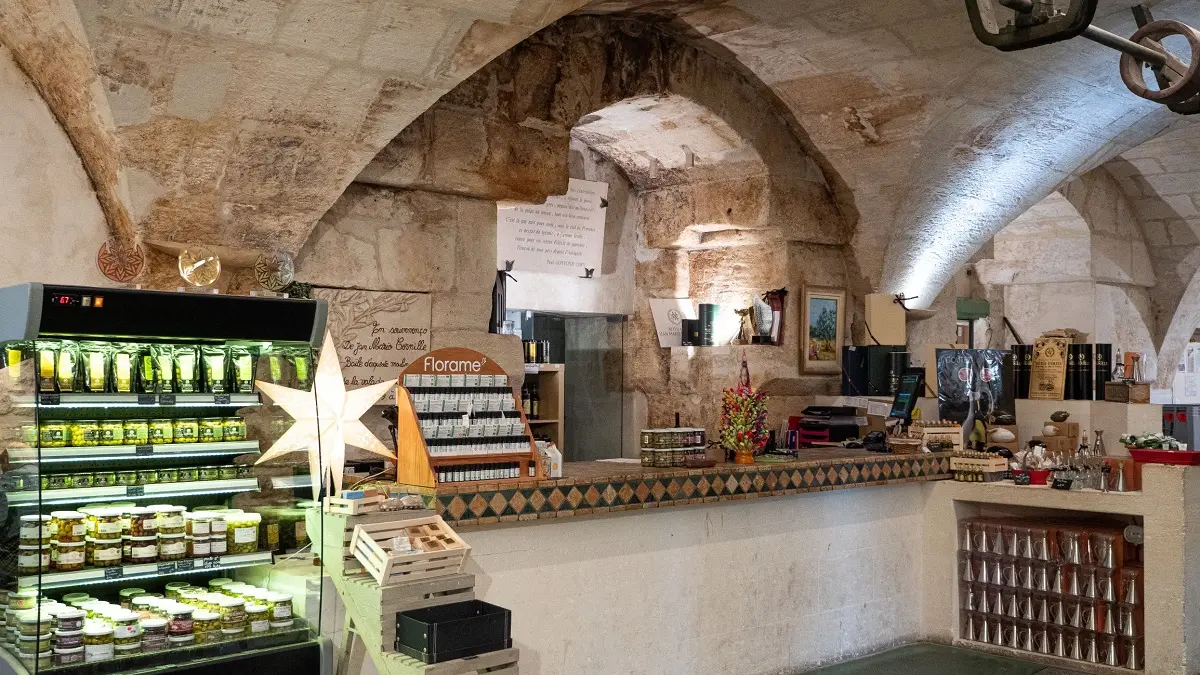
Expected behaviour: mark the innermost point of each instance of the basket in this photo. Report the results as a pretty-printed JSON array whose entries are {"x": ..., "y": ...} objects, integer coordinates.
[{"x": 443, "y": 551}]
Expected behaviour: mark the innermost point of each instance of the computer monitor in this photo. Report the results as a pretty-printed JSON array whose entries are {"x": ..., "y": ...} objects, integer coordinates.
[{"x": 912, "y": 384}]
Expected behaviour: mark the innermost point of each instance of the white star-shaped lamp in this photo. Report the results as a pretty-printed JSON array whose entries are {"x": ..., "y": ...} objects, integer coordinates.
[{"x": 326, "y": 422}]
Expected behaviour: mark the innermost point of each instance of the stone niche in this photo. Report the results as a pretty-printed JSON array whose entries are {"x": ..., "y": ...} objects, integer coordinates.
[{"x": 715, "y": 194}]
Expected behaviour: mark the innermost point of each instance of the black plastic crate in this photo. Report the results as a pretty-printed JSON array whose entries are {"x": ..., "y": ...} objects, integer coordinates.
[{"x": 454, "y": 631}]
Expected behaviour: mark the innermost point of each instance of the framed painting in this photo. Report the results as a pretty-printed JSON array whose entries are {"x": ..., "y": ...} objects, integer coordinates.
[{"x": 822, "y": 330}]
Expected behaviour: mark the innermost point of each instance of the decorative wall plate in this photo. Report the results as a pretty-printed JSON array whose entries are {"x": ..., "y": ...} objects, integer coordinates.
[
  {"x": 120, "y": 261},
  {"x": 275, "y": 270},
  {"x": 199, "y": 266}
]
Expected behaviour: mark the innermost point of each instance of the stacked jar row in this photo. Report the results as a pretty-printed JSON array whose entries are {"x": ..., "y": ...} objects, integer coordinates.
[{"x": 93, "y": 433}]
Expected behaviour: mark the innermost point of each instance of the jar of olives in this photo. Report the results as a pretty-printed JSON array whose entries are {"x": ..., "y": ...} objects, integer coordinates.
[
  {"x": 106, "y": 552},
  {"x": 161, "y": 432},
  {"x": 235, "y": 429},
  {"x": 197, "y": 547},
  {"x": 54, "y": 434},
  {"x": 170, "y": 518},
  {"x": 33, "y": 622},
  {"x": 41, "y": 661},
  {"x": 112, "y": 432},
  {"x": 104, "y": 479},
  {"x": 228, "y": 472},
  {"x": 69, "y": 620},
  {"x": 210, "y": 472},
  {"x": 137, "y": 432},
  {"x": 83, "y": 480},
  {"x": 106, "y": 523},
  {"x": 206, "y": 625},
  {"x": 198, "y": 523},
  {"x": 173, "y": 587},
  {"x": 186, "y": 430},
  {"x": 242, "y": 533},
  {"x": 168, "y": 475},
  {"x": 55, "y": 481},
  {"x": 256, "y": 618},
  {"x": 33, "y": 559},
  {"x": 171, "y": 547},
  {"x": 127, "y": 478},
  {"x": 147, "y": 476},
  {"x": 69, "y": 557},
  {"x": 64, "y": 656},
  {"x": 233, "y": 616},
  {"x": 128, "y": 594},
  {"x": 212, "y": 430},
  {"x": 140, "y": 550},
  {"x": 97, "y": 642},
  {"x": 216, "y": 583},
  {"x": 35, "y": 530},
  {"x": 279, "y": 607},
  {"x": 85, "y": 433},
  {"x": 31, "y": 645},
  {"x": 143, "y": 522}
]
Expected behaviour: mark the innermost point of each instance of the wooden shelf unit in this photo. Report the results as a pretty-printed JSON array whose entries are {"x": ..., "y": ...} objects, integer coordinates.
[{"x": 551, "y": 386}]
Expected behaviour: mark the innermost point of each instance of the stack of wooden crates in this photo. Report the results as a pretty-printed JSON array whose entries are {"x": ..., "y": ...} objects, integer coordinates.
[{"x": 375, "y": 593}]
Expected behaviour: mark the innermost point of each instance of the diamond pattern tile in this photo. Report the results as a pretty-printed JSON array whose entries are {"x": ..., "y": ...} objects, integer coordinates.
[
  {"x": 498, "y": 503},
  {"x": 478, "y": 505},
  {"x": 658, "y": 491},
  {"x": 574, "y": 497},
  {"x": 556, "y": 499},
  {"x": 625, "y": 494},
  {"x": 643, "y": 492},
  {"x": 592, "y": 496},
  {"x": 518, "y": 502}
]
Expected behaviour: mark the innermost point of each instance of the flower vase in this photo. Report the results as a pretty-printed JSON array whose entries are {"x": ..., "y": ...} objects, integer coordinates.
[{"x": 743, "y": 454}]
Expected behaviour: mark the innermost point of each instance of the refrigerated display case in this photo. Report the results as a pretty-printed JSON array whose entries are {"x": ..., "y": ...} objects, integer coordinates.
[{"x": 133, "y": 510}]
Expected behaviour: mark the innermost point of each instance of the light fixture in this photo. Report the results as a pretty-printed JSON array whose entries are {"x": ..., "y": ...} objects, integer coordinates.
[{"x": 327, "y": 420}]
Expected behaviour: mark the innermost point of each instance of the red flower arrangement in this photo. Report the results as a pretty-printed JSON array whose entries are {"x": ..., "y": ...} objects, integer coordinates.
[{"x": 744, "y": 419}]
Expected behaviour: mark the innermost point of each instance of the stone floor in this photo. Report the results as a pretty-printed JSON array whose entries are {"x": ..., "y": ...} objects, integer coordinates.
[{"x": 928, "y": 659}]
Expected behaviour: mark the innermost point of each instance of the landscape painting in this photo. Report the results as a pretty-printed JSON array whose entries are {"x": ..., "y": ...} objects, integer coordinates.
[{"x": 822, "y": 330}]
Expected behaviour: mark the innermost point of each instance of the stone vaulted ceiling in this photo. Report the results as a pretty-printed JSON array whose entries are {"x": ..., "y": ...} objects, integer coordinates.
[{"x": 240, "y": 123}]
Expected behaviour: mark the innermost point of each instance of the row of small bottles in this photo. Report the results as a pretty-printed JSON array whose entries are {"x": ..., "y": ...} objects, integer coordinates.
[{"x": 530, "y": 401}]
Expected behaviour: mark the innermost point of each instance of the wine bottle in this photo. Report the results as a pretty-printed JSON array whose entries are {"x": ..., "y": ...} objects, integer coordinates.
[
  {"x": 534, "y": 402},
  {"x": 526, "y": 400}
]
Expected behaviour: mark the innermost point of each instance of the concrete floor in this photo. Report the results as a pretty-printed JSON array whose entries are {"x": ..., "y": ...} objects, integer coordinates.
[{"x": 928, "y": 659}]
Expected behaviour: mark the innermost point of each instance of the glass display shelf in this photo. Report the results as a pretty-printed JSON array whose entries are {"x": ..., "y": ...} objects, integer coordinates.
[
  {"x": 123, "y": 492},
  {"x": 122, "y": 452},
  {"x": 49, "y": 402},
  {"x": 97, "y": 575}
]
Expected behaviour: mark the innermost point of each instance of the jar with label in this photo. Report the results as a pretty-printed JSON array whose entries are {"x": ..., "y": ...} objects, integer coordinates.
[
  {"x": 170, "y": 518},
  {"x": 235, "y": 429},
  {"x": 125, "y": 624},
  {"x": 106, "y": 523},
  {"x": 33, "y": 622},
  {"x": 104, "y": 479},
  {"x": 54, "y": 434},
  {"x": 179, "y": 620},
  {"x": 210, "y": 472},
  {"x": 32, "y": 645},
  {"x": 67, "y": 656},
  {"x": 197, "y": 547},
  {"x": 256, "y": 618},
  {"x": 140, "y": 550},
  {"x": 69, "y": 620},
  {"x": 137, "y": 432},
  {"x": 128, "y": 594},
  {"x": 171, "y": 547},
  {"x": 161, "y": 432},
  {"x": 217, "y": 545},
  {"x": 18, "y": 600},
  {"x": 217, "y": 583},
  {"x": 85, "y": 433},
  {"x": 33, "y": 559},
  {"x": 56, "y": 481},
  {"x": 279, "y": 610},
  {"x": 97, "y": 642},
  {"x": 141, "y": 605},
  {"x": 127, "y": 478},
  {"x": 212, "y": 430},
  {"x": 198, "y": 523},
  {"x": 70, "y": 556},
  {"x": 35, "y": 530},
  {"x": 69, "y": 639},
  {"x": 40, "y": 662},
  {"x": 112, "y": 432},
  {"x": 168, "y": 475},
  {"x": 147, "y": 476},
  {"x": 186, "y": 430},
  {"x": 83, "y": 480},
  {"x": 69, "y": 526},
  {"x": 233, "y": 616},
  {"x": 173, "y": 587},
  {"x": 143, "y": 522},
  {"x": 206, "y": 625},
  {"x": 106, "y": 552},
  {"x": 228, "y": 472},
  {"x": 242, "y": 532},
  {"x": 189, "y": 474},
  {"x": 245, "y": 471}
]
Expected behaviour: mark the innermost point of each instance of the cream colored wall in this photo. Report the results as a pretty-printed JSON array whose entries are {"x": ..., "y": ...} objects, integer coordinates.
[
  {"x": 50, "y": 222},
  {"x": 759, "y": 586}
]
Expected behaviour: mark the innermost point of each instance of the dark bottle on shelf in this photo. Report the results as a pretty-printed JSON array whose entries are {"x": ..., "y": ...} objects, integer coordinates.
[
  {"x": 526, "y": 400},
  {"x": 534, "y": 401}
]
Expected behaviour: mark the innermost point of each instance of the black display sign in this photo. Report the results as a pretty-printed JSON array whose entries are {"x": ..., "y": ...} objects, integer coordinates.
[
  {"x": 49, "y": 399},
  {"x": 212, "y": 563},
  {"x": 185, "y": 565},
  {"x": 166, "y": 399},
  {"x": 166, "y": 568},
  {"x": 114, "y": 572},
  {"x": 1021, "y": 478},
  {"x": 135, "y": 490},
  {"x": 143, "y": 450},
  {"x": 221, "y": 399},
  {"x": 147, "y": 399},
  {"x": 1061, "y": 484}
]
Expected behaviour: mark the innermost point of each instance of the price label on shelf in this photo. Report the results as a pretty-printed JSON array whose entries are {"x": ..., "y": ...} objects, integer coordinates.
[
  {"x": 166, "y": 568},
  {"x": 212, "y": 563},
  {"x": 143, "y": 450},
  {"x": 114, "y": 572},
  {"x": 185, "y": 565},
  {"x": 147, "y": 399},
  {"x": 135, "y": 490},
  {"x": 49, "y": 399},
  {"x": 221, "y": 399},
  {"x": 166, "y": 399}
]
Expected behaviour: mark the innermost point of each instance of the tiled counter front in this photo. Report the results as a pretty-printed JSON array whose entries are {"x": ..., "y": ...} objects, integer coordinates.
[{"x": 603, "y": 487}]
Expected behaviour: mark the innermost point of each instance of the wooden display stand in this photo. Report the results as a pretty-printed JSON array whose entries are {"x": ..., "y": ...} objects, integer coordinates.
[
  {"x": 371, "y": 608},
  {"x": 446, "y": 370},
  {"x": 551, "y": 379}
]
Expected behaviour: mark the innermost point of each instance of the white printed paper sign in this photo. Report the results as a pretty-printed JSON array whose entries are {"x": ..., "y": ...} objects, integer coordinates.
[
  {"x": 377, "y": 334},
  {"x": 565, "y": 235},
  {"x": 668, "y": 319}
]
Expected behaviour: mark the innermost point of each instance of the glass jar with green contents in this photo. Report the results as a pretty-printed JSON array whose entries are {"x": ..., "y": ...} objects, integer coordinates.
[
  {"x": 210, "y": 473},
  {"x": 127, "y": 478},
  {"x": 54, "y": 434},
  {"x": 34, "y": 623},
  {"x": 162, "y": 431},
  {"x": 104, "y": 479},
  {"x": 36, "y": 530},
  {"x": 242, "y": 532},
  {"x": 189, "y": 474},
  {"x": 279, "y": 610},
  {"x": 206, "y": 625},
  {"x": 137, "y": 432},
  {"x": 106, "y": 552},
  {"x": 33, "y": 559},
  {"x": 212, "y": 430},
  {"x": 172, "y": 547},
  {"x": 69, "y": 557},
  {"x": 235, "y": 429},
  {"x": 256, "y": 618},
  {"x": 31, "y": 645},
  {"x": 85, "y": 433},
  {"x": 228, "y": 472},
  {"x": 217, "y": 583},
  {"x": 147, "y": 476},
  {"x": 186, "y": 430},
  {"x": 233, "y": 616},
  {"x": 173, "y": 587},
  {"x": 128, "y": 594},
  {"x": 168, "y": 475},
  {"x": 125, "y": 625},
  {"x": 82, "y": 480},
  {"x": 112, "y": 432},
  {"x": 170, "y": 518},
  {"x": 56, "y": 481},
  {"x": 97, "y": 642}
]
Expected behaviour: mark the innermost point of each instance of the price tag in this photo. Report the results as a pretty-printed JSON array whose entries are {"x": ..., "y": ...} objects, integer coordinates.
[
  {"x": 166, "y": 568},
  {"x": 532, "y": 369},
  {"x": 147, "y": 399},
  {"x": 221, "y": 399},
  {"x": 166, "y": 399},
  {"x": 212, "y": 563},
  {"x": 185, "y": 565},
  {"x": 49, "y": 399},
  {"x": 135, "y": 490},
  {"x": 1021, "y": 478},
  {"x": 114, "y": 572},
  {"x": 1061, "y": 484},
  {"x": 143, "y": 450}
]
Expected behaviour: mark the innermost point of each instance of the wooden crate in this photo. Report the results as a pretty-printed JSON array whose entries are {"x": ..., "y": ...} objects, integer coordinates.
[
  {"x": 502, "y": 662},
  {"x": 364, "y": 597},
  {"x": 353, "y": 507},
  {"x": 443, "y": 551}
]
